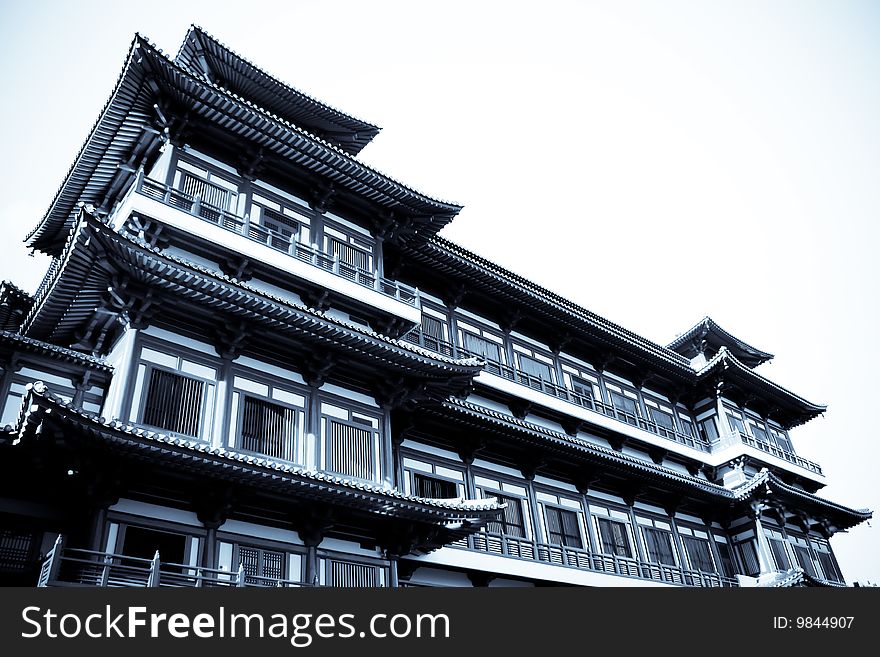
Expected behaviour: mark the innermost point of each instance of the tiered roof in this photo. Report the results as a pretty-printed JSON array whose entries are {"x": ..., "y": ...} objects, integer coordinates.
[
  {"x": 203, "y": 55},
  {"x": 125, "y": 136},
  {"x": 783, "y": 405},
  {"x": 764, "y": 485},
  {"x": 708, "y": 338},
  {"x": 85, "y": 431},
  {"x": 14, "y": 305},
  {"x": 68, "y": 297}
]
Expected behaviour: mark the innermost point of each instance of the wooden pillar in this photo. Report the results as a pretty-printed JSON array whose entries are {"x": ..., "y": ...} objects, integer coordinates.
[
  {"x": 765, "y": 559},
  {"x": 640, "y": 549},
  {"x": 393, "y": 582}
]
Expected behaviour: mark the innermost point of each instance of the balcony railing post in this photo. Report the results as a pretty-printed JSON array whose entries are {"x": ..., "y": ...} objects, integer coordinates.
[
  {"x": 54, "y": 558},
  {"x": 155, "y": 566},
  {"x": 105, "y": 571},
  {"x": 139, "y": 179},
  {"x": 240, "y": 578}
]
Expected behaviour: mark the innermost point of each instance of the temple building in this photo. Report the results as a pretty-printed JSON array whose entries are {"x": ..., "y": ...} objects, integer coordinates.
[{"x": 255, "y": 361}]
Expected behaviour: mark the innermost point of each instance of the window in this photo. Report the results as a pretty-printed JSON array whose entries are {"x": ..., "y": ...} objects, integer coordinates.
[
  {"x": 728, "y": 566},
  {"x": 511, "y": 522},
  {"x": 658, "y": 544},
  {"x": 736, "y": 424},
  {"x": 212, "y": 190},
  {"x": 433, "y": 487},
  {"x": 258, "y": 563},
  {"x": 535, "y": 368},
  {"x": 268, "y": 428},
  {"x": 350, "y": 442},
  {"x": 433, "y": 327},
  {"x": 699, "y": 554},
  {"x": 562, "y": 527},
  {"x": 614, "y": 538},
  {"x": 350, "y": 450},
  {"x": 805, "y": 559},
  {"x": 827, "y": 562},
  {"x": 174, "y": 402},
  {"x": 782, "y": 440},
  {"x": 582, "y": 388},
  {"x": 780, "y": 556},
  {"x": 352, "y": 575},
  {"x": 262, "y": 566},
  {"x": 662, "y": 418},
  {"x": 624, "y": 404},
  {"x": 16, "y": 551},
  {"x": 687, "y": 427},
  {"x": 482, "y": 347},
  {"x": 710, "y": 429},
  {"x": 434, "y": 335},
  {"x": 760, "y": 433},
  {"x": 748, "y": 555},
  {"x": 356, "y": 253}
]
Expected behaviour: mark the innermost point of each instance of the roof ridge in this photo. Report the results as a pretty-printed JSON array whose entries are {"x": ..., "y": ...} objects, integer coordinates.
[
  {"x": 40, "y": 390},
  {"x": 54, "y": 348},
  {"x": 198, "y": 30},
  {"x": 651, "y": 467},
  {"x": 472, "y": 361},
  {"x": 441, "y": 242}
]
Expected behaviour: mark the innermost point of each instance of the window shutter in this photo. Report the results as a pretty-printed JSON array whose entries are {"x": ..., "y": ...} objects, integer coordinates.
[{"x": 174, "y": 402}]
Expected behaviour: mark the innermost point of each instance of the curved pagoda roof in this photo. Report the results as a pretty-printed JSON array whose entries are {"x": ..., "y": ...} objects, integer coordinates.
[
  {"x": 31, "y": 345},
  {"x": 204, "y": 56},
  {"x": 126, "y": 135},
  {"x": 97, "y": 258},
  {"x": 45, "y": 417},
  {"x": 783, "y": 405},
  {"x": 14, "y": 305},
  {"x": 707, "y": 337},
  {"x": 449, "y": 259},
  {"x": 763, "y": 486}
]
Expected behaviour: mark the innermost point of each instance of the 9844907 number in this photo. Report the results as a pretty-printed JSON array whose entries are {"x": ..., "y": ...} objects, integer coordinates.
[{"x": 813, "y": 622}]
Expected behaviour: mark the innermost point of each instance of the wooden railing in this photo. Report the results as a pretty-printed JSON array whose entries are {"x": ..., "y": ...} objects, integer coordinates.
[
  {"x": 735, "y": 436},
  {"x": 310, "y": 253},
  {"x": 418, "y": 337},
  {"x": 75, "y": 567},
  {"x": 560, "y": 555}
]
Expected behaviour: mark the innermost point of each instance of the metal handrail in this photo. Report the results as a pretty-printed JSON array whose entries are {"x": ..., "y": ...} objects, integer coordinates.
[
  {"x": 81, "y": 567},
  {"x": 734, "y": 436},
  {"x": 310, "y": 253},
  {"x": 561, "y": 555},
  {"x": 418, "y": 337}
]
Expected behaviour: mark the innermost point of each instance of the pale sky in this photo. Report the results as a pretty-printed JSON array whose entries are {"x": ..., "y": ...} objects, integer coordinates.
[{"x": 654, "y": 162}]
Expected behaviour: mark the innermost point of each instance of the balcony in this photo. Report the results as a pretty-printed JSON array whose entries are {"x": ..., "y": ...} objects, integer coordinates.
[
  {"x": 332, "y": 272},
  {"x": 559, "y": 555},
  {"x": 560, "y": 392},
  {"x": 71, "y": 567},
  {"x": 736, "y": 437}
]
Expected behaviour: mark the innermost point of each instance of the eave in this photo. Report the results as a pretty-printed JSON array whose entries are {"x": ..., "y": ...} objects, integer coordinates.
[
  {"x": 781, "y": 403},
  {"x": 204, "y": 56},
  {"x": 606, "y": 458},
  {"x": 14, "y": 305},
  {"x": 707, "y": 331},
  {"x": 31, "y": 345},
  {"x": 446, "y": 258},
  {"x": 767, "y": 487},
  {"x": 149, "y": 78},
  {"x": 96, "y": 256},
  {"x": 44, "y": 418}
]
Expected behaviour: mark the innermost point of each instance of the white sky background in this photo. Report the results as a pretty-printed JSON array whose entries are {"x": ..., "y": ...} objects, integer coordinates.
[{"x": 654, "y": 162}]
